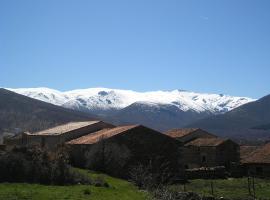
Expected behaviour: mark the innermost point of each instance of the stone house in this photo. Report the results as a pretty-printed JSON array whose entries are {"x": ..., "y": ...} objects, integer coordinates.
[
  {"x": 186, "y": 135},
  {"x": 124, "y": 147},
  {"x": 50, "y": 138},
  {"x": 258, "y": 162},
  {"x": 211, "y": 152}
]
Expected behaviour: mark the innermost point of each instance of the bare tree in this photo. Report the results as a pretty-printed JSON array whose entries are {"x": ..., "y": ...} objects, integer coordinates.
[{"x": 107, "y": 156}]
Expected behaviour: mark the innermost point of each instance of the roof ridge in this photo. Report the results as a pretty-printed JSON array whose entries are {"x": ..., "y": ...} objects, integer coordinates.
[
  {"x": 215, "y": 141},
  {"x": 92, "y": 138},
  {"x": 66, "y": 127}
]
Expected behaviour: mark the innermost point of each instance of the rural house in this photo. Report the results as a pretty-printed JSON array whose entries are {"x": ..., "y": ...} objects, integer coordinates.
[
  {"x": 258, "y": 162},
  {"x": 211, "y": 152},
  {"x": 188, "y": 134},
  {"x": 54, "y": 136},
  {"x": 119, "y": 149}
]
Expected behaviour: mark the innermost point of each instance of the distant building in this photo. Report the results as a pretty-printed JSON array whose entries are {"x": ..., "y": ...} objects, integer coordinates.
[
  {"x": 246, "y": 151},
  {"x": 188, "y": 134},
  {"x": 211, "y": 152},
  {"x": 142, "y": 145},
  {"x": 203, "y": 149},
  {"x": 258, "y": 162},
  {"x": 57, "y": 135}
]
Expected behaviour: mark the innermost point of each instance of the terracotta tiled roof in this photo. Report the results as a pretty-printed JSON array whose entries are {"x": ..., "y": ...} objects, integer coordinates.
[
  {"x": 259, "y": 156},
  {"x": 177, "y": 133},
  {"x": 206, "y": 142},
  {"x": 104, "y": 133},
  {"x": 57, "y": 130},
  {"x": 246, "y": 151}
]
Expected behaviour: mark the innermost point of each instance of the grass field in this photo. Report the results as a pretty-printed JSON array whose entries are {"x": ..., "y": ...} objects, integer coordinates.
[
  {"x": 229, "y": 188},
  {"x": 122, "y": 190},
  {"x": 118, "y": 189}
]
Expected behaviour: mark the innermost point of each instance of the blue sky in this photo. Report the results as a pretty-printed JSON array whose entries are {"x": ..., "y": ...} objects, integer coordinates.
[{"x": 219, "y": 46}]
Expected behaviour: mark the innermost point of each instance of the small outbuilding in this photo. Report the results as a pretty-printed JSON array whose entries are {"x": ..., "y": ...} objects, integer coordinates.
[
  {"x": 117, "y": 150},
  {"x": 186, "y": 135},
  {"x": 211, "y": 152},
  {"x": 258, "y": 162}
]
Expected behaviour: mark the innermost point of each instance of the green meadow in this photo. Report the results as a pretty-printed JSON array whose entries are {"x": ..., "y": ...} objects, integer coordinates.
[{"x": 118, "y": 189}]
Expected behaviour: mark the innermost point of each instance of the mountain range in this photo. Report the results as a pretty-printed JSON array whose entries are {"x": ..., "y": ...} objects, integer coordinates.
[
  {"x": 240, "y": 118},
  {"x": 160, "y": 110}
]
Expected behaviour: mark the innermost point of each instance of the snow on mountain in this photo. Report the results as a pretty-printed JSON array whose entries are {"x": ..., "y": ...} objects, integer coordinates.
[
  {"x": 44, "y": 94},
  {"x": 108, "y": 99}
]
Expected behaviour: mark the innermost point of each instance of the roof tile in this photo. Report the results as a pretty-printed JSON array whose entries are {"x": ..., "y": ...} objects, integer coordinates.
[
  {"x": 206, "y": 142},
  {"x": 57, "y": 130},
  {"x": 259, "y": 156},
  {"x": 177, "y": 133},
  {"x": 104, "y": 133}
]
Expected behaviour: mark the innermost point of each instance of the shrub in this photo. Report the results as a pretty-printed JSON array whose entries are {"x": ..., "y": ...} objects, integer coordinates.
[
  {"x": 149, "y": 176},
  {"x": 100, "y": 182},
  {"x": 165, "y": 194},
  {"x": 86, "y": 191},
  {"x": 35, "y": 165}
]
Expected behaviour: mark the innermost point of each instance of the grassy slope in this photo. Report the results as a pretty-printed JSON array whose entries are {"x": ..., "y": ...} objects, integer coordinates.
[
  {"x": 119, "y": 189},
  {"x": 230, "y": 188}
]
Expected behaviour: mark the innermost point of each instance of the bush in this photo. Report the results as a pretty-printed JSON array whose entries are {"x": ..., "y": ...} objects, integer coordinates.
[
  {"x": 165, "y": 194},
  {"x": 149, "y": 176},
  {"x": 100, "y": 182},
  {"x": 35, "y": 165},
  {"x": 87, "y": 191},
  {"x": 140, "y": 176}
]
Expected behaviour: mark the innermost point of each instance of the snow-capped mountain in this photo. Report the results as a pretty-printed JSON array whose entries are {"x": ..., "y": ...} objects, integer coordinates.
[
  {"x": 104, "y": 98},
  {"x": 178, "y": 106}
]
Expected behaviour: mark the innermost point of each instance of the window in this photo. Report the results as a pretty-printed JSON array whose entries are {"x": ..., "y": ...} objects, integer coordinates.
[
  {"x": 259, "y": 170},
  {"x": 42, "y": 142},
  {"x": 203, "y": 159}
]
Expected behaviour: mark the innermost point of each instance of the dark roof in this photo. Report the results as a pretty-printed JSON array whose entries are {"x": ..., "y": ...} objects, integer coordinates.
[
  {"x": 181, "y": 132},
  {"x": 64, "y": 128},
  {"x": 102, "y": 134},
  {"x": 176, "y": 133},
  {"x": 206, "y": 142},
  {"x": 245, "y": 151},
  {"x": 259, "y": 156}
]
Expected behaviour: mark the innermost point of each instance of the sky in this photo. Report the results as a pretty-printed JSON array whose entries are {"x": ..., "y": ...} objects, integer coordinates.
[{"x": 214, "y": 46}]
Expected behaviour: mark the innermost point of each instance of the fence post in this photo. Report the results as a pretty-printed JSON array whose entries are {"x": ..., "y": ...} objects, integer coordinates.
[
  {"x": 212, "y": 187},
  {"x": 253, "y": 187},
  {"x": 249, "y": 189},
  {"x": 210, "y": 176}
]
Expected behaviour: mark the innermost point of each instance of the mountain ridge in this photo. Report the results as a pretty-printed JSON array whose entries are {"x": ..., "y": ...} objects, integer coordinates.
[
  {"x": 248, "y": 116},
  {"x": 160, "y": 110},
  {"x": 27, "y": 114},
  {"x": 106, "y": 99}
]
